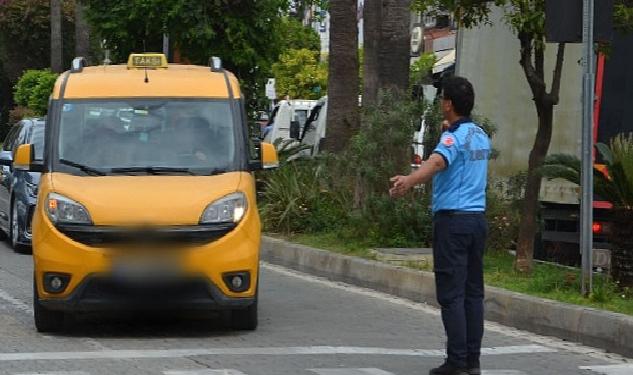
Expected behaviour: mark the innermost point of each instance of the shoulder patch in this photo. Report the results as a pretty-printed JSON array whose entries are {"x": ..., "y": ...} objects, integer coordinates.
[{"x": 448, "y": 140}]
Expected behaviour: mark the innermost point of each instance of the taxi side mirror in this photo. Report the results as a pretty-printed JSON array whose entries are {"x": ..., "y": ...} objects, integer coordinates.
[
  {"x": 270, "y": 160},
  {"x": 24, "y": 158}
]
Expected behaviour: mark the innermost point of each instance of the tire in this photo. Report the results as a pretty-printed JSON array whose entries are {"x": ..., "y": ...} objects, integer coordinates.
[
  {"x": 46, "y": 320},
  {"x": 14, "y": 229},
  {"x": 245, "y": 319}
]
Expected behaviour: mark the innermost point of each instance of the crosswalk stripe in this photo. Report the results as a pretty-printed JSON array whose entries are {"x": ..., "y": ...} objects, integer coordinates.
[
  {"x": 53, "y": 373},
  {"x": 204, "y": 372},
  {"x": 349, "y": 371},
  {"x": 621, "y": 369},
  {"x": 283, "y": 351}
]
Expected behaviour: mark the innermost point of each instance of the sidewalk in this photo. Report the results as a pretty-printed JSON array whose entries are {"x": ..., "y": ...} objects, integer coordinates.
[{"x": 610, "y": 331}]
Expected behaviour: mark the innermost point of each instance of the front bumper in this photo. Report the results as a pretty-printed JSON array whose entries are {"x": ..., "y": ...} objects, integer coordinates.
[
  {"x": 101, "y": 293},
  {"x": 235, "y": 252}
]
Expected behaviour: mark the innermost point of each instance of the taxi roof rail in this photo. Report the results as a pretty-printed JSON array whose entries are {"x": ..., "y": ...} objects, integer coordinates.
[
  {"x": 215, "y": 63},
  {"x": 78, "y": 65}
]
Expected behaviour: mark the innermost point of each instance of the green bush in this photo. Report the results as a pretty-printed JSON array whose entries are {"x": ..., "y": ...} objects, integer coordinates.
[
  {"x": 318, "y": 195},
  {"x": 297, "y": 199},
  {"x": 503, "y": 222},
  {"x": 382, "y": 148},
  {"x": 34, "y": 89},
  {"x": 387, "y": 222}
]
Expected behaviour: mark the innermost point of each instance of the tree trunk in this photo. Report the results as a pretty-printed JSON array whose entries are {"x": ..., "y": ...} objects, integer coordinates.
[
  {"x": 372, "y": 14},
  {"x": 395, "y": 45},
  {"x": 544, "y": 103},
  {"x": 56, "y": 36},
  {"x": 343, "y": 83},
  {"x": 386, "y": 42},
  {"x": 527, "y": 228},
  {"x": 82, "y": 32}
]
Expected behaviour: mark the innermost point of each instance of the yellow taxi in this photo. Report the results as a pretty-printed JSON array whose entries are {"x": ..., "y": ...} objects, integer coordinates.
[{"x": 147, "y": 194}]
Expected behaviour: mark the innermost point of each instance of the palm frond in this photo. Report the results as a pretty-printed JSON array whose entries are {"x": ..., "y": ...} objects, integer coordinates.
[
  {"x": 562, "y": 166},
  {"x": 606, "y": 153}
]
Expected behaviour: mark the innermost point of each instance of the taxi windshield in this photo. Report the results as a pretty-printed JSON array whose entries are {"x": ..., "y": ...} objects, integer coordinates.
[{"x": 147, "y": 136}]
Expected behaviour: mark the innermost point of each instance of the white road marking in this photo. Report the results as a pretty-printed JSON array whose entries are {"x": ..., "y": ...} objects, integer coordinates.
[
  {"x": 293, "y": 350},
  {"x": 54, "y": 373},
  {"x": 621, "y": 369},
  {"x": 204, "y": 372},
  {"x": 502, "y": 372},
  {"x": 428, "y": 309},
  {"x": 16, "y": 303},
  {"x": 350, "y": 371}
]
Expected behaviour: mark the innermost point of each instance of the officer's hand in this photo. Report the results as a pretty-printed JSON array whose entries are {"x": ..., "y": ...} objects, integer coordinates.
[{"x": 401, "y": 184}]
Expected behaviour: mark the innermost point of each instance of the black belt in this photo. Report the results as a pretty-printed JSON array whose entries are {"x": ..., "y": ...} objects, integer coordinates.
[{"x": 458, "y": 212}]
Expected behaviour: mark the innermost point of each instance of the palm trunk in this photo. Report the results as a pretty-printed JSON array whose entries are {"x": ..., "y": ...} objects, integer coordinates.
[
  {"x": 343, "y": 83},
  {"x": 56, "y": 36},
  {"x": 372, "y": 14},
  {"x": 82, "y": 31},
  {"x": 386, "y": 38}
]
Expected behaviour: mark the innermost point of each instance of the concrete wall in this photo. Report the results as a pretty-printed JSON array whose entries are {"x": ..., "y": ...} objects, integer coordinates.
[{"x": 489, "y": 57}]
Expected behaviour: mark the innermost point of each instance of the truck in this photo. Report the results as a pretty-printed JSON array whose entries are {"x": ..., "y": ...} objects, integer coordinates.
[
  {"x": 613, "y": 93},
  {"x": 286, "y": 119}
]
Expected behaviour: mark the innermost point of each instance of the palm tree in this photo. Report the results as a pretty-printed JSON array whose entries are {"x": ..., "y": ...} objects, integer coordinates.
[
  {"x": 386, "y": 44},
  {"x": 56, "y": 36},
  {"x": 343, "y": 82},
  {"x": 616, "y": 186},
  {"x": 82, "y": 31}
]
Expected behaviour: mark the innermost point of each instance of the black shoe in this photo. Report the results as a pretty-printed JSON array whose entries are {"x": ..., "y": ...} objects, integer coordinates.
[
  {"x": 474, "y": 368},
  {"x": 448, "y": 369}
]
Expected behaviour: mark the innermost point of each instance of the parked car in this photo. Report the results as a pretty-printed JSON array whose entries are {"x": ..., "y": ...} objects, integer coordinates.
[{"x": 18, "y": 189}]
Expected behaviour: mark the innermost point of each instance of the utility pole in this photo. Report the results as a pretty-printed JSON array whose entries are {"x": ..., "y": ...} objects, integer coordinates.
[{"x": 586, "y": 210}]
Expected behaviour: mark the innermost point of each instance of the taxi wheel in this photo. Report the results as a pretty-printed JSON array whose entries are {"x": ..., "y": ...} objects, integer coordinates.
[
  {"x": 46, "y": 320},
  {"x": 245, "y": 319}
]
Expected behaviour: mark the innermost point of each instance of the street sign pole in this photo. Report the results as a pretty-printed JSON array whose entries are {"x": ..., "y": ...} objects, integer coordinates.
[{"x": 586, "y": 210}]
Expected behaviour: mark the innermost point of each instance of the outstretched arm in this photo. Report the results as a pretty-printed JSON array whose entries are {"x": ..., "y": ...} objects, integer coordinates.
[{"x": 401, "y": 184}]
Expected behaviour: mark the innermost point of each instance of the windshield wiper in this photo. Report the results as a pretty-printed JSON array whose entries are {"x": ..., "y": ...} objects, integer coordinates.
[
  {"x": 152, "y": 170},
  {"x": 217, "y": 171},
  {"x": 84, "y": 168}
]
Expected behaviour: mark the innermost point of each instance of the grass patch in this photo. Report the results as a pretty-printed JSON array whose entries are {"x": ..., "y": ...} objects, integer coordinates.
[
  {"x": 337, "y": 242},
  {"x": 548, "y": 281},
  {"x": 556, "y": 283}
]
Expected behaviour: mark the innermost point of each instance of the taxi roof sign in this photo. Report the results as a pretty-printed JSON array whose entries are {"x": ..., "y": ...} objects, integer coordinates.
[{"x": 147, "y": 61}]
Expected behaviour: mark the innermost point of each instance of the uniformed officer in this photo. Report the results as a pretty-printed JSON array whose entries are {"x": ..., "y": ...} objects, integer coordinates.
[{"x": 458, "y": 168}]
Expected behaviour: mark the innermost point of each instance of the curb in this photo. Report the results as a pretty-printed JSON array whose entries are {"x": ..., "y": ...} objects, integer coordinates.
[{"x": 601, "y": 329}]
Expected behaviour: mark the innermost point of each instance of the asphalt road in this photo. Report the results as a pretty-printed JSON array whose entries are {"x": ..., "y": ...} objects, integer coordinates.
[{"x": 307, "y": 326}]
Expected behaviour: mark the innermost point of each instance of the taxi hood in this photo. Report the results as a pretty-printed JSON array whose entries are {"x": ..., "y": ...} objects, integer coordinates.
[{"x": 145, "y": 200}]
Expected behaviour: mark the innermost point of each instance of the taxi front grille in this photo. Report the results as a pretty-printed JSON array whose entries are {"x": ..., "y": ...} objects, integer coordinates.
[
  {"x": 111, "y": 289},
  {"x": 101, "y": 236}
]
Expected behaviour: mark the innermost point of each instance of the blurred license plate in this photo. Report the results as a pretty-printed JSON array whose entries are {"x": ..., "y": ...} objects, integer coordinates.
[{"x": 142, "y": 268}]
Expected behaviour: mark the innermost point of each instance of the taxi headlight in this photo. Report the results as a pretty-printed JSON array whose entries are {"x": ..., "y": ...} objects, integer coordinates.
[
  {"x": 63, "y": 210},
  {"x": 228, "y": 209}
]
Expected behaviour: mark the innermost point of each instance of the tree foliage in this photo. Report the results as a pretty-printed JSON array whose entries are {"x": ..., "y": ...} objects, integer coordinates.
[
  {"x": 33, "y": 90},
  {"x": 296, "y": 36},
  {"x": 244, "y": 33},
  {"x": 25, "y": 35},
  {"x": 299, "y": 74},
  {"x": 422, "y": 68}
]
